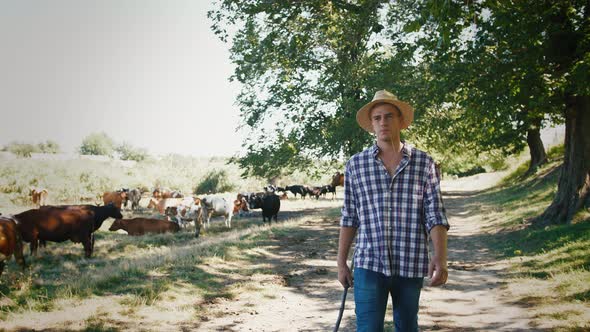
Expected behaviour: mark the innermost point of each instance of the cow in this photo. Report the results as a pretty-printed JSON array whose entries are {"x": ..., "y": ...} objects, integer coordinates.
[
  {"x": 316, "y": 191},
  {"x": 188, "y": 210},
  {"x": 297, "y": 189},
  {"x": 329, "y": 189},
  {"x": 255, "y": 200},
  {"x": 161, "y": 204},
  {"x": 166, "y": 193},
  {"x": 438, "y": 169},
  {"x": 134, "y": 195},
  {"x": 216, "y": 206},
  {"x": 76, "y": 223},
  {"x": 114, "y": 197},
  {"x": 271, "y": 204},
  {"x": 270, "y": 188},
  {"x": 338, "y": 179},
  {"x": 176, "y": 194},
  {"x": 38, "y": 196},
  {"x": 11, "y": 243},
  {"x": 141, "y": 226},
  {"x": 241, "y": 205}
]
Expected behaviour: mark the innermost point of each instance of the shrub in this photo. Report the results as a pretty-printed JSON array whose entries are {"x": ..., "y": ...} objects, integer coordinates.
[
  {"x": 49, "y": 147},
  {"x": 22, "y": 149},
  {"x": 97, "y": 144},
  {"x": 128, "y": 152},
  {"x": 215, "y": 181}
]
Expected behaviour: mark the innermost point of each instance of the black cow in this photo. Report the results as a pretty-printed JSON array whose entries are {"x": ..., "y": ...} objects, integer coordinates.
[
  {"x": 297, "y": 189},
  {"x": 271, "y": 204},
  {"x": 329, "y": 189},
  {"x": 255, "y": 200}
]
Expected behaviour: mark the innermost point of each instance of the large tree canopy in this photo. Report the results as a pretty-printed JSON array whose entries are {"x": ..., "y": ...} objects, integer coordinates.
[
  {"x": 305, "y": 67},
  {"x": 482, "y": 76},
  {"x": 528, "y": 61}
]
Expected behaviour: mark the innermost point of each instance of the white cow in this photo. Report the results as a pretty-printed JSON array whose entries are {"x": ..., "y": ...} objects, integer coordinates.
[{"x": 217, "y": 206}]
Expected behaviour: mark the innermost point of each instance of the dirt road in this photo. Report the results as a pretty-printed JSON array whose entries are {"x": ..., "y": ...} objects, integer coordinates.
[{"x": 307, "y": 295}]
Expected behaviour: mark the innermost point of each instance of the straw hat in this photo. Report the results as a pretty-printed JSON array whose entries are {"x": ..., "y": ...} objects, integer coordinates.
[{"x": 384, "y": 96}]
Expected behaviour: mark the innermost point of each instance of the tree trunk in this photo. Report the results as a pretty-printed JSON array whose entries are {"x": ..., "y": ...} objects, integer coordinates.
[
  {"x": 574, "y": 178},
  {"x": 537, "y": 150}
]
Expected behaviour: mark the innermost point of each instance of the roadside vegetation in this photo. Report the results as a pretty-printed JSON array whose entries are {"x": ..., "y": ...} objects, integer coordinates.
[
  {"x": 549, "y": 262},
  {"x": 83, "y": 180}
]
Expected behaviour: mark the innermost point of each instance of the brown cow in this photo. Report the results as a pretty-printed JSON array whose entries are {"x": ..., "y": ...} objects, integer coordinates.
[
  {"x": 115, "y": 197},
  {"x": 338, "y": 179},
  {"x": 76, "y": 223},
  {"x": 38, "y": 196},
  {"x": 241, "y": 205},
  {"x": 10, "y": 243},
  {"x": 166, "y": 193},
  {"x": 162, "y": 204},
  {"x": 141, "y": 226}
]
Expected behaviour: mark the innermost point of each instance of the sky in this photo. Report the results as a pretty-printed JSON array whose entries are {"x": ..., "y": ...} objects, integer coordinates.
[{"x": 148, "y": 73}]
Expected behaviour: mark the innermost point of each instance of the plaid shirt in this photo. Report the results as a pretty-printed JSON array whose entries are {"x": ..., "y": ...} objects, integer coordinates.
[{"x": 393, "y": 214}]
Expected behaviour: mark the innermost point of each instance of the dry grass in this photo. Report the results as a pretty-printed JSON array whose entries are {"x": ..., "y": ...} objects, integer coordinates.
[{"x": 151, "y": 273}]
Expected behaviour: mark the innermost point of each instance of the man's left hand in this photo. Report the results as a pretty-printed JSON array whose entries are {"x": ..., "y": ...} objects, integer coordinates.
[{"x": 437, "y": 271}]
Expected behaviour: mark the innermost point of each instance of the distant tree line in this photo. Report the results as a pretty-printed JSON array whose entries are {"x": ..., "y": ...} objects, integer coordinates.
[
  {"x": 99, "y": 144},
  {"x": 25, "y": 150}
]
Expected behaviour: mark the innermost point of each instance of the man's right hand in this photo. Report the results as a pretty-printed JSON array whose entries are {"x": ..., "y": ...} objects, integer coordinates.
[{"x": 345, "y": 276}]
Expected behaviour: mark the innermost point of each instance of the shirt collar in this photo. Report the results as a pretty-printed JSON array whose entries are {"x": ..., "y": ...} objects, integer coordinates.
[{"x": 406, "y": 150}]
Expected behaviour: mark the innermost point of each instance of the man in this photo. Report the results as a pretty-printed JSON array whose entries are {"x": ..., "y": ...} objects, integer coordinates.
[{"x": 392, "y": 201}]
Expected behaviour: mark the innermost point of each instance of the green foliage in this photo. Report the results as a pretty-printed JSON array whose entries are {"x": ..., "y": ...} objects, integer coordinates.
[
  {"x": 128, "y": 152},
  {"x": 215, "y": 181},
  {"x": 49, "y": 146},
  {"x": 480, "y": 74},
  {"x": 305, "y": 70},
  {"x": 97, "y": 144},
  {"x": 23, "y": 150},
  {"x": 556, "y": 152}
]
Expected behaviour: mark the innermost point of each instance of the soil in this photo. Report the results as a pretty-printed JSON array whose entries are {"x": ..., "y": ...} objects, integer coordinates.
[{"x": 473, "y": 299}]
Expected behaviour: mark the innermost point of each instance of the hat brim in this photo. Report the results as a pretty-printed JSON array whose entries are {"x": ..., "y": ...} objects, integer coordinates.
[{"x": 362, "y": 116}]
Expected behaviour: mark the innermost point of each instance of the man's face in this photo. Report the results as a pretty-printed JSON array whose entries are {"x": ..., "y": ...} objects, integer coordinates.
[{"x": 386, "y": 121}]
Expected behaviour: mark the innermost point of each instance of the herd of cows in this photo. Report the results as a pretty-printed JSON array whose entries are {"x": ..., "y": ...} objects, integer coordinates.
[{"x": 78, "y": 223}]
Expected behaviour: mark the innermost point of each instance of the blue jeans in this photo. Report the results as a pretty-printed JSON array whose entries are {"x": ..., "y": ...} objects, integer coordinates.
[{"x": 371, "y": 290}]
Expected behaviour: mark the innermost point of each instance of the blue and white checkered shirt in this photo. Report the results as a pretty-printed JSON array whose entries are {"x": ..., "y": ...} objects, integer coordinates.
[{"x": 393, "y": 214}]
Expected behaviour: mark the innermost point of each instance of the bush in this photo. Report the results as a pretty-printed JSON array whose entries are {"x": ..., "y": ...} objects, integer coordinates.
[
  {"x": 128, "y": 152},
  {"x": 97, "y": 144},
  {"x": 215, "y": 181},
  {"x": 49, "y": 147},
  {"x": 22, "y": 149}
]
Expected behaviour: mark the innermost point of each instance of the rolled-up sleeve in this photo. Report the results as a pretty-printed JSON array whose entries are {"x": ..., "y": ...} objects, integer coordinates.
[
  {"x": 349, "y": 211},
  {"x": 434, "y": 209}
]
